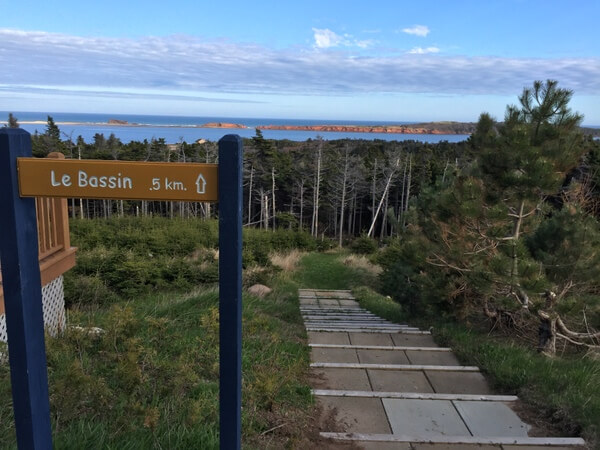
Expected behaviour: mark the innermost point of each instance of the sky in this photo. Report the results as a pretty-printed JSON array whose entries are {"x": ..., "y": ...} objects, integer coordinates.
[{"x": 383, "y": 60}]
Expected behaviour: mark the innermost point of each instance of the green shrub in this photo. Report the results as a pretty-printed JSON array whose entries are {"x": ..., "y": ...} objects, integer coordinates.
[
  {"x": 85, "y": 290},
  {"x": 364, "y": 245}
]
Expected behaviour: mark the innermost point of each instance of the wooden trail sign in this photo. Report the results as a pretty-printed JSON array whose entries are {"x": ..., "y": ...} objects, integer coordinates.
[
  {"x": 117, "y": 179},
  {"x": 22, "y": 176}
]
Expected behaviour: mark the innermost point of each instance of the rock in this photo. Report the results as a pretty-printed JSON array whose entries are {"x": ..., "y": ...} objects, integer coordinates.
[
  {"x": 259, "y": 290},
  {"x": 117, "y": 122}
]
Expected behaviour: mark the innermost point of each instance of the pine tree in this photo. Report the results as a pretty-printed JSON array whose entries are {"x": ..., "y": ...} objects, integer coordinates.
[
  {"x": 477, "y": 225},
  {"x": 12, "y": 121}
]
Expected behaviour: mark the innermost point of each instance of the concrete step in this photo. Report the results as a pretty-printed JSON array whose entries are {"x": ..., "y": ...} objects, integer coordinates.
[
  {"x": 359, "y": 324},
  {"x": 413, "y": 395},
  {"x": 444, "y": 441},
  {"x": 365, "y": 330},
  {"x": 383, "y": 347},
  {"x": 398, "y": 367}
]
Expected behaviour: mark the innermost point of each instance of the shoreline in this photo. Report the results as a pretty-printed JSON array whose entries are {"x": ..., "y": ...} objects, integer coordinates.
[{"x": 439, "y": 128}]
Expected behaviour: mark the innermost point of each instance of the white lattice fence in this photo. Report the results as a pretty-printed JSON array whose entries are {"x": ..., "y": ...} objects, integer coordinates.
[{"x": 53, "y": 302}]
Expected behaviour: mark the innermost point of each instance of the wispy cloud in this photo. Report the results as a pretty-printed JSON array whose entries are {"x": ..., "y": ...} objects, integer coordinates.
[
  {"x": 117, "y": 93},
  {"x": 325, "y": 38},
  {"x": 182, "y": 64},
  {"x": 417, "y": 30},
  {"x": 423, "y": 51}
]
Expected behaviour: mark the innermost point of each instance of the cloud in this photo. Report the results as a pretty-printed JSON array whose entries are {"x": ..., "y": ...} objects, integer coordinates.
[
  {"x": 417, "y": 30},
  {"x": 185, "y": 65},
  {"x": 423, "y": 51},
  {"x": 325, "y": 38},
  {"x": 365, "y": 43},
  {"x": 119, "y": 94}
]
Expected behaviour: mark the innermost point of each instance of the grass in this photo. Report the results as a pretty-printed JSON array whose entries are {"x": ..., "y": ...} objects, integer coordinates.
[
  {"x": 378, "y": 304},
  {"x": 328, "y": 271},
  {"x": 151, "y": 379}
]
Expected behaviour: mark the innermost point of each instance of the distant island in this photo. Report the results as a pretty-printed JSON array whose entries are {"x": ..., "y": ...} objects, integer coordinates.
[{"x": 417, "y": 128}]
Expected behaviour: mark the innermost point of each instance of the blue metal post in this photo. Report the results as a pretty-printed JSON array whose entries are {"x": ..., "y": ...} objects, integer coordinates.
[
  {"x": 230, "y": 290},
  {"x": 23, "y": 298}
]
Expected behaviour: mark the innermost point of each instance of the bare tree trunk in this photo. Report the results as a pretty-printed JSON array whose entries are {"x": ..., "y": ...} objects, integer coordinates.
[
  {"x": 403, "y": 198},
  {"x": 273, "y": 195},
  {"x": 343, "y": 200},
  {"x": 384, "y": 220},
  {"x": 445, "y": 169},
  {"x": 315, "y": 222},
  {"x": 301, "y": 204},
  {"x": 373, "y": 191},
  {"x": 514, "y": 273},
  {"x": 408, "y": 183},
  {"x": 383, "y": 196},
  {"x": 266, "y": 212},
  {"x": 250, "y": 195}
]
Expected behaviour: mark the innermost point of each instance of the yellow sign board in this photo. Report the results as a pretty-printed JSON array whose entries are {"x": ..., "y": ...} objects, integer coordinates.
[{"x": 117, "y": 179}]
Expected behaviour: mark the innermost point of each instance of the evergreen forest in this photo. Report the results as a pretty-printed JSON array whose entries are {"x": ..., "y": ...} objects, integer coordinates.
[{"x": 504, "y": 224}]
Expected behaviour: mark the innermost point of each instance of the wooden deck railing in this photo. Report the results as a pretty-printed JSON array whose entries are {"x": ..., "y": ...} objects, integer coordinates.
[{"x": 56, "y": 255}]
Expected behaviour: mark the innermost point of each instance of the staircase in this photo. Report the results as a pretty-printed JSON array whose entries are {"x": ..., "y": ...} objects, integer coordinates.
[{"x": 390, "y": 386}]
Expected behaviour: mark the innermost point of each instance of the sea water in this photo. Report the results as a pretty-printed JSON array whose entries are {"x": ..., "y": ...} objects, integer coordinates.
[{"x": 187, "y": 128}]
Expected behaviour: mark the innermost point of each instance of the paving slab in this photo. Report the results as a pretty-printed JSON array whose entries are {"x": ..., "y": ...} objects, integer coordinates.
[
  {"x": 413, "y": 340},
  {"x": 456, "y": 447},
  {"x": 349, "y": 303},
  {"x": 307, "y": 294},
  {"x": 491, "y": 419},
  {"x": 432, "y": 358},
  {"x": 322, "y": 337},
  {"x": 342, "y": 379},
  {"x": 458, "y": 382},
  {"x": 383, "y": 445},
  {"x": 537, "y": 447},
  {"x": 358, "y": 415},
  {"x": 399, "y": 381},
  {"x": 308, "y": 301},
  {"x": 424, "y": 418},
  {"x": 334, "y": 294},
  {"x": 382, "y": 357},
  {"x": 370, "y": 339},
  {"x": 334, "y": 355},
  {"x": 328, "y": 302}
]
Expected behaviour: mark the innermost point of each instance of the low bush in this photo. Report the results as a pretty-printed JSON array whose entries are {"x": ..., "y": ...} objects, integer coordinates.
[
  {"x": 364, "y": 245},
  {"x": 132, "y": 256}
]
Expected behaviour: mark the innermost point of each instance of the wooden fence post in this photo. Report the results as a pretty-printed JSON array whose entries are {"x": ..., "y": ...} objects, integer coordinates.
[
  {"x": 230, "y": 291},
  {"x": 23, "y": 298}
]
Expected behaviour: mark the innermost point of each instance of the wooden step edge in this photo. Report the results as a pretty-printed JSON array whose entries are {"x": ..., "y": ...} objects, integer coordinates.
[
  {"x": 358, "y": 330},
  {"x": 383, "y": 347},
  {"x": 408, "y": 367},
  {"x": 414, "y": 395},
  {"x": 466, "y": 440}
]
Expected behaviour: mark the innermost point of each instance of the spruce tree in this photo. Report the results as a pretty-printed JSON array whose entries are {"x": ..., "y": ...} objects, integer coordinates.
[{"x": 12, "y": 121}]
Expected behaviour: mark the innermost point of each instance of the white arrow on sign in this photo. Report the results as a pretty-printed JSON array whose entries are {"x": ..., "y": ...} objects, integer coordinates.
[{"x": 200, "y": 184}]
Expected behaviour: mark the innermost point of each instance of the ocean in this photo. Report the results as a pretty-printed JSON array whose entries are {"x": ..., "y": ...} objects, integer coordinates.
[{"x": 177, "y": 128}]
